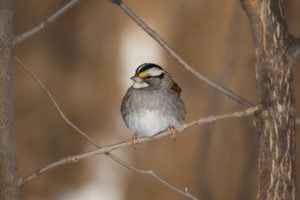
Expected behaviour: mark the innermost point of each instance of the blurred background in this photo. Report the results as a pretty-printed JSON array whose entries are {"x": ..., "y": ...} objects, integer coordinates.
[{"x": 86, "y": 57}]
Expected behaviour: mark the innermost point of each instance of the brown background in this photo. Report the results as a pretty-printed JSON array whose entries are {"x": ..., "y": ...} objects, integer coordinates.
[{"x": 79, "y": 58}]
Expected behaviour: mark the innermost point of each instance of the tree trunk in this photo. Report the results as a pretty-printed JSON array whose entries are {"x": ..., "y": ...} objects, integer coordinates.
[
  {"x": 274, "y": 76},
  {"x": 9, "y": 188}
]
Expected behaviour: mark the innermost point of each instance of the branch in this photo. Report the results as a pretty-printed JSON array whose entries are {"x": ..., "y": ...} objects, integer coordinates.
[
  {"x": 111, "y": 156},
  {"x": 78, "y": 130},
  {"x": 108, "y": 148},
  {"x": 188, "y": 67},
  {"x": 105, "y": 150},
  {"x": 45, "y": 22},
  {"x": 152, "y": 174}
]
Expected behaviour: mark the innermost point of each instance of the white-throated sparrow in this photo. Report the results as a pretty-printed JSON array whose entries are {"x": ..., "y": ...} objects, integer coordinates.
[{"x": 152, "y": 104}]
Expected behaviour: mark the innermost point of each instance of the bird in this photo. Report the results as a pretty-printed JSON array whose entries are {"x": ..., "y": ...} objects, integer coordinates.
[{"x": 153, "y": 103}]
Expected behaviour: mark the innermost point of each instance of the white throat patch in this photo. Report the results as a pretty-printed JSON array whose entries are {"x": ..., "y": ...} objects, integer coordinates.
[{"x": 138, "y": 85}]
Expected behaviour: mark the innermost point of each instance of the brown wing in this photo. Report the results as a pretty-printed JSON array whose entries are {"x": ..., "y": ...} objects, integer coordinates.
[{"x": 175, "y": 88}]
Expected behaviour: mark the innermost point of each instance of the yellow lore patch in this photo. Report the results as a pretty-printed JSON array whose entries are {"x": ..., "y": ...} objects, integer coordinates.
[{"x": 143, "y": 74}]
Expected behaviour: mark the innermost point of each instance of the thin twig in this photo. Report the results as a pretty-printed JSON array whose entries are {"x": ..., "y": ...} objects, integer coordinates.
[
  {"x": 45, "y": 22},
  {"x": 200, "y": 76},
  {"x": 111, "y": 156},
  {"x": 154, "y": 175},
  {"x": 108, "y": 148},
  {"x": 56, "y": 104}
]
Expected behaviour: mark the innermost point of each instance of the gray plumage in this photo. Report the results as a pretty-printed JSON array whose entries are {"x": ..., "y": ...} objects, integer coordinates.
[{"x": 154, "y": 103}]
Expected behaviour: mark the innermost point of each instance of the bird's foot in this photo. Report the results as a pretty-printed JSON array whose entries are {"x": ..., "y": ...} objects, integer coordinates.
[
  {"x": 135, "y": 139},
  {"x": 172, "y": 131}
]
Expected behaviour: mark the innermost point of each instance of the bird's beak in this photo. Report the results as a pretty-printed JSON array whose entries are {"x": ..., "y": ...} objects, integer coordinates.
[{"x": 137, "y": 79}]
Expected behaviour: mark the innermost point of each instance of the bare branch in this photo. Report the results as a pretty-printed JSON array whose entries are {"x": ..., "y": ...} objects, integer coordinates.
[
  {"x": 56, "y": 104},
  {"x": 152, "y": 174},
  {"x": 163, "y": 43},
  {"x": 111, "y": 156},
  {"x": 108, "y": 148},
  {"x": 45, "y": 22}
]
